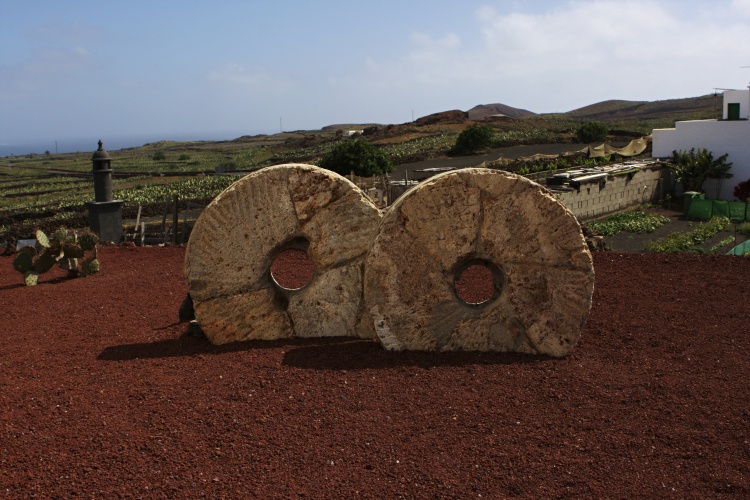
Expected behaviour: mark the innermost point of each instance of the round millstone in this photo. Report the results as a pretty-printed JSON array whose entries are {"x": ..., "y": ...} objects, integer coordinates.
[
  {"x": 542, "y": 270},
  {"x": 237, "y": 237}
]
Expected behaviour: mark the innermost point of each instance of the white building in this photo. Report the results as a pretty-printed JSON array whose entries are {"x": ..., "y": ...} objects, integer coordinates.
[{"x": 729, "y": 135}]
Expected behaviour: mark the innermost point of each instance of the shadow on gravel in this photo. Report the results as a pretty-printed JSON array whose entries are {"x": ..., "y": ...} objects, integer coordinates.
[
  {"x": 187, "y": 345},
  {"x": 356, "y": 354},
  {"x": 329, "y": 353},
  {"x": 52, "y": 281}
]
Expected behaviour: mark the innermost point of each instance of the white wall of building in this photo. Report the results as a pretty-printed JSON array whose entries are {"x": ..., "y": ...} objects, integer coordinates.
[
  {"x": 719, "y": 137},
  {"x": 737, "y": 96}
]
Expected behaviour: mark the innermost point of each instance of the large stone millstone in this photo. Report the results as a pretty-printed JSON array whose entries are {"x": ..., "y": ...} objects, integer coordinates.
[
  {"x": 237, "y": 237},
  {"x": 543, "y": 274}
]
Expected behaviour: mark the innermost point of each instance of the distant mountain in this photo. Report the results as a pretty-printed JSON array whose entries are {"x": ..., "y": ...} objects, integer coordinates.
[
  {"x": 707, "y": 106},
  {"x": 482, "y": 111},
  {"x": 690, "y": 108}
]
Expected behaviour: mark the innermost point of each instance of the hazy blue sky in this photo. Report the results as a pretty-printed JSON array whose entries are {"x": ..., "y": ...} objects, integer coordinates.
[{"x": 220, "y": 69}]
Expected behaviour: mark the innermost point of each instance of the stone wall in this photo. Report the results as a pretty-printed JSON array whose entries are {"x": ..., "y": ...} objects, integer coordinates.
[{"x": 618, "y": 192}]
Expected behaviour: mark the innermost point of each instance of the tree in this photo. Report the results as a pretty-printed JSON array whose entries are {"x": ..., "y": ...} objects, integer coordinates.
[
  {"x": 472, "y": 139},
  {"x": 361, "y": 157},
  {"x": 592, "y": 132},
  {"x": 692, "y": 168},
  {"x": 742, "y": 191}
]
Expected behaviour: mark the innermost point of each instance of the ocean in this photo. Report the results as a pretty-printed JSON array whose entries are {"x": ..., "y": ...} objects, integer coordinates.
[{"x": 111, "y": 143}]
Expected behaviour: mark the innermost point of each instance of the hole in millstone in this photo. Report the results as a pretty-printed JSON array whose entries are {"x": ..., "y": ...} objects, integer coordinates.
[
  {"x": 292, "y": 269},
  {"x": 477, "y": 282}
]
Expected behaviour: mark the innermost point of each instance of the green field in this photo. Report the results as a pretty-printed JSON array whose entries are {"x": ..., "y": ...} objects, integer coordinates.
[{"x": 39, "y": 190}]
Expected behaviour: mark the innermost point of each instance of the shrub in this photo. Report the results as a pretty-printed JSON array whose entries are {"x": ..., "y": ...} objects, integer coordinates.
[
  {"x": 184, "y": 157},
  {"x": 742, "y": 190},
  {"x": 357, "y": 156},
  {"x": 592, "y": 132},
  {"x": 159, "y": 156},
  {"x": 472, "y": 139},
  {"x": 692, "y": 168}
]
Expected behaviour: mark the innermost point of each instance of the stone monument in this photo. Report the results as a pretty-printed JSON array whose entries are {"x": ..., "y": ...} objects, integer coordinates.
[{"x": 105, "y": 214}]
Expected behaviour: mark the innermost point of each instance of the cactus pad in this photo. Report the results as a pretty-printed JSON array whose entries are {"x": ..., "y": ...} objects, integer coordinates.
[
  {"x": 60, "y": 235},
  {"x": 30, "y": 278},
  {"x": 24, "y": 259},
  {"x": 42, "y": 239},
  {"x": 89, "y": 266},
  {"x": 88, "y": 241},
  {"x": 72, "y": 251},
  {"x": 44, "y": 262}
]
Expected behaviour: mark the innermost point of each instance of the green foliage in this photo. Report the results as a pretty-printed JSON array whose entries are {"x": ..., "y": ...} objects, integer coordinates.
[
  {"x": 692, "y": 168},
  {"x": 361, "y": 157},
  {"x": 419, "y": 149},
  {"x": 744, "y": 229},
  {"x": 472, "y": 139},
  {"x": 515, "y": 137},
  {"x": 159, "y": 156},
  {"x": 194, "y": 188},
  {"x": 689, "y": 241},
  {"x": 726, "y": 241},
  {"x": 592, "y": 132},
  {"x": 631, "y": 222},
  {"x": 184, "y": 157}
]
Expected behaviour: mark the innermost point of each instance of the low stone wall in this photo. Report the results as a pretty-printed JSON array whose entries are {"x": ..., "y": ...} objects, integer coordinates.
[{"x": 617, "y": 192}]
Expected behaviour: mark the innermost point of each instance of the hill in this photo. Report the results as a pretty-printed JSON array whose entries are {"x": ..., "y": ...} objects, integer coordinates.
[
  {"x": 706, "y": 106},
  {"x": 482, "y": 111}
]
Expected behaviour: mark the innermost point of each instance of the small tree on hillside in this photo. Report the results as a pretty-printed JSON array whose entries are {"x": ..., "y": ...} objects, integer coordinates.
[
  {"x": 592, "y": 132},
  {"x": 361, "y": 157},
  {"x": 472, "y": 139},
  {"x": 692, "y": 168}
]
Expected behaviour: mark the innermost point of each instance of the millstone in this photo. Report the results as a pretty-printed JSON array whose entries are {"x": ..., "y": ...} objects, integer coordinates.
[
  {"x": 542, "y": 271},
  {"x": 237, "y": 237}
]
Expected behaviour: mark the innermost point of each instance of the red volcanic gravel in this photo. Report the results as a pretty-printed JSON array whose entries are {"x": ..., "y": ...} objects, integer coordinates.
[
  {"x": 102, "y": 395},
  {"x": 475, "y": 285},
  {"x": 292, "y": 269}
]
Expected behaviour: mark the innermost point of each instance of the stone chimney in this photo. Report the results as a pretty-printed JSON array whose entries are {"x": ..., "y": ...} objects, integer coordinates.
[{"x": 105, "y": 214}]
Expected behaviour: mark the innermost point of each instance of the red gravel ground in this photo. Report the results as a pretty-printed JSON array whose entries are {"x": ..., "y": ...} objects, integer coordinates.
[{"x": 103, "y": 396}]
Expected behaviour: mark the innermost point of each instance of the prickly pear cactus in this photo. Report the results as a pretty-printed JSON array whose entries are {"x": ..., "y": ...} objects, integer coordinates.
[{"x": 65, "y": 248}]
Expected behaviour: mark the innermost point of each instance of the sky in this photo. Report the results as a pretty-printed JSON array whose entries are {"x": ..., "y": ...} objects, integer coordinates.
[{"x": 220, "y": 69}]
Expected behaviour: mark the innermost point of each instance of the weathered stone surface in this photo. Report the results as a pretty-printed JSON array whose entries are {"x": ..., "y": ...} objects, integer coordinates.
[
  {"x": 546, "y": 270},
  {"x": 234, "y": 242}
]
